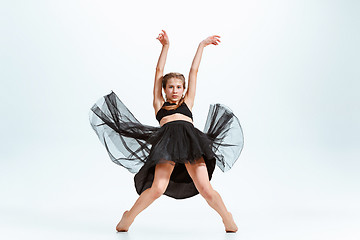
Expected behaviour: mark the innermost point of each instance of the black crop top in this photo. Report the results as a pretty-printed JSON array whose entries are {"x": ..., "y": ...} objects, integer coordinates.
[{"x": 183, "y": 109}]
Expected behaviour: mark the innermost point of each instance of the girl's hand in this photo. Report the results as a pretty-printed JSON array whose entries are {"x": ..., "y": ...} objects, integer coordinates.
[
  {"x": 211, "y": 40},
  {"x": 163, "y": 38}
]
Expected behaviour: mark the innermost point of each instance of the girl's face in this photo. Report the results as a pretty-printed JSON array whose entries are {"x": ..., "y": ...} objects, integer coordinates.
[{"x": 174, "y": 90}]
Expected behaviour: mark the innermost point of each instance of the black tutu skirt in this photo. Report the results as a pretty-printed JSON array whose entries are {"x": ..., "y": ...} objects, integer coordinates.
[{"x": 138, "y": 147}]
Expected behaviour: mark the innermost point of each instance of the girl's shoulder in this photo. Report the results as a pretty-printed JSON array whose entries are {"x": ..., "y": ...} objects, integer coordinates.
[
  {"x": 157, "y": 104},
  {"x": 189, "y": 103}
]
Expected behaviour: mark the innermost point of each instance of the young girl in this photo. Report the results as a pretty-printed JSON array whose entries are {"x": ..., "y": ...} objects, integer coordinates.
[{"x": 175, "y": 159}]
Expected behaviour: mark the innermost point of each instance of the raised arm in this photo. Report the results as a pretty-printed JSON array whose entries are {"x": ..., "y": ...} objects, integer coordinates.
[
  {"x": 158, "y": 99},
  {"x": 190, "y": 93}
]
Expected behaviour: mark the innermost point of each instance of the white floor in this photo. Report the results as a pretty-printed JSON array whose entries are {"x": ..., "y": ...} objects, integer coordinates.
[{"x": 87, "y": 223}]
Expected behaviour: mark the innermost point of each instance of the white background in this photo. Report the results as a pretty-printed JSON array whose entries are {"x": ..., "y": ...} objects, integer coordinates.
[{"x": 288, "y": 69}]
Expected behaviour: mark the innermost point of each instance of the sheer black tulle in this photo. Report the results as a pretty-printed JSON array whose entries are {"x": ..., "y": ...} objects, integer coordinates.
[{"x": 139, "y": 147}]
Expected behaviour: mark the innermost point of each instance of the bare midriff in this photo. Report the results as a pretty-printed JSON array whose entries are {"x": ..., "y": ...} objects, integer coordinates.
[{"x": 174, "y": 117}]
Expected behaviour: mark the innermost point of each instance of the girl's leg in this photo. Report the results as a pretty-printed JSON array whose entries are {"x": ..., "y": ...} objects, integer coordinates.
[
  {"x": 158, "y": 187},
  {"x": 198, "y": 173}
]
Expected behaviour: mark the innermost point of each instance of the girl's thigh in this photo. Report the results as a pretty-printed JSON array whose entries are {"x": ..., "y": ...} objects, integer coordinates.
[
  {"x": 162, "y": 174},
  {"x": 199, "y": 174}
]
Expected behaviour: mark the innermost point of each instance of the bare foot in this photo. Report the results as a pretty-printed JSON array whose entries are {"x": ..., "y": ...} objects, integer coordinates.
[
  {"x": 229, "y": 223},
  {"x": 125, "y": 222}
]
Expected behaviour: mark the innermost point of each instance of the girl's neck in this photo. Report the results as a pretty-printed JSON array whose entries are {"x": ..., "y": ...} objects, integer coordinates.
[{"x": 169, "y": 101}]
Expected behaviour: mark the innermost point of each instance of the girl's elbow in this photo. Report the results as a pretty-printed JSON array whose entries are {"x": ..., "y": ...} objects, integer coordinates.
[{"x": 194, "y": 70}]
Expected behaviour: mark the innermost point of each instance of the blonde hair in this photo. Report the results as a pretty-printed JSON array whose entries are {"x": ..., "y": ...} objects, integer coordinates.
[{"x": 165, "y": 78}]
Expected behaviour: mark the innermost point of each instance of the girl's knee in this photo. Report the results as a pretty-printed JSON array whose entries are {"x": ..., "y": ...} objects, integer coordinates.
[
  {"x": 207, "y": 192},
  {"x": 157, "y": 191}
]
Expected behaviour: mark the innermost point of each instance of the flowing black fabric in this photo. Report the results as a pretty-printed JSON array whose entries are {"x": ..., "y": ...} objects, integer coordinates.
[{"x": 139, "y": 147}]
